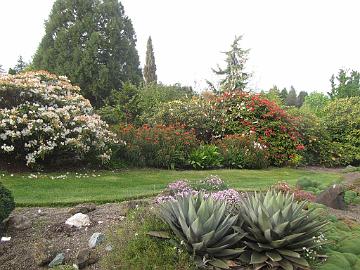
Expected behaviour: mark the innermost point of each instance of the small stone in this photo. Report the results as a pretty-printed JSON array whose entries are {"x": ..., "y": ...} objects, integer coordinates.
[
  {"x": 83, "y": 208},
  {"x": 17, "y": 222},
  {"x": 96, "y": 239},
  {"x": 58, "y": 260},
  {"x": 108, "y": 248},
  {"x": 78, "y": 220},
  {"x": 86, "y": 257},
  {"x": 5, "y": 239}
]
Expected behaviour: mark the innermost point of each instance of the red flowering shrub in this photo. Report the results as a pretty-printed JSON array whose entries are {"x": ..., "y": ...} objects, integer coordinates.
[
  {"x": 299, "y": 195},
  {"x": 159, "y": 146},
  {"x": 251, "y": 113},
  {"x": 241, "y": 151},
  {"x": 238, "y": 112}
]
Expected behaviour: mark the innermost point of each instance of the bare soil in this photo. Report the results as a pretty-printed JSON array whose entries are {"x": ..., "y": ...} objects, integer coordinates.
[{"x": 49, "y": 233}]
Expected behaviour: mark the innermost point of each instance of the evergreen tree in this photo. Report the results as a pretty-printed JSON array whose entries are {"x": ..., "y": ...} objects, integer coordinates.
[
  {"x": 291, "y": 97},
  {"x": 150, "y": 66},
  {"x": 20, "y": 65},
  {"x": 93, "y": 43},
  {"x": 283, "y": 94},
  {"x": 236, "y": 78},
  {"x": 301, "y": 98},
  {"x": 348, "y": 84},
  {"x": 274, "y": 95},
  {"x": 1, "y": 69}
]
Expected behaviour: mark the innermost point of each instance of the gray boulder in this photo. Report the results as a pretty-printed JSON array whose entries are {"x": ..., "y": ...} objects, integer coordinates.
[{"x": 333, "y": 197}]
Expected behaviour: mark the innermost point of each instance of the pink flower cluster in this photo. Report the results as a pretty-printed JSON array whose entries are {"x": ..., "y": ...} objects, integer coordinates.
[
  {"x": 213, "y": 183},
  {"x": 231, "y": 196},
  {"x": 179, "y": 186},
  {"x": 299, "y": 195}
]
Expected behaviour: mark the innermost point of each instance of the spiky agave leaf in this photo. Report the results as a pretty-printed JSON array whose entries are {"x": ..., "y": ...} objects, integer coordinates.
[
  {"x": 205, "y": 227},
  {"x": 278, "y": 229}
]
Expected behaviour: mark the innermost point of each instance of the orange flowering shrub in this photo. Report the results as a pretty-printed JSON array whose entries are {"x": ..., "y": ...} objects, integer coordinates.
[{"x": 159, "y": 146}]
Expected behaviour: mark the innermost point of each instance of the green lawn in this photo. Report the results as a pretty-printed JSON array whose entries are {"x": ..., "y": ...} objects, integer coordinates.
[{"x": 106, "y": 186}]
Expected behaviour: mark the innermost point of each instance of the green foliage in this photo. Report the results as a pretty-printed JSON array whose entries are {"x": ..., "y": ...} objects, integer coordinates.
[
  {"x": 236, "y": 78},
  {"x": 342, "y": 122},
  {"x": 204, "y": 227},
  {"x": 347, "y": 85},
  {"x": 207, "y": 156},
  {"x": 315, "y": 103},
  {"x": 134, "y": 249},
  {"x": 7, "y": 203},
  {"x": 352, "y": 197},
  {"x": 305, "y": 183},
  {"x": 274, "y": 95},
  {"x": 153, "y": 96},
  {"x": 93, "y": 43},
  {"x": 278, "y": 229},
  {"x": 240, "y": 151},
  {"x": 150, "y": 66}
]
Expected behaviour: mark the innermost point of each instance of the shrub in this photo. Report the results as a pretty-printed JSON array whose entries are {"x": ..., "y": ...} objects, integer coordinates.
[
  {"x": 44, "y": 118},
  {"x": 342, "y": 122},
  {"x": 211, "y": 183},
  {"x": 279, "y": 231},
  {"x": 158, "y": 146},
  {"x": 7, "y": 203},
  {"x": 236, "y": 113},
  {"x": 241, "y": 151},
  {"x": 204, "y": 227},
  {"x": 207, "y": 156},
  {"x": 298, "y": 193},
  {"x": 134, "y": 249}
]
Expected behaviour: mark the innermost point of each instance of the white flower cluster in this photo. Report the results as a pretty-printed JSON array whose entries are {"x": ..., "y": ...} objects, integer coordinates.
[{"x": 44, "y": 116}]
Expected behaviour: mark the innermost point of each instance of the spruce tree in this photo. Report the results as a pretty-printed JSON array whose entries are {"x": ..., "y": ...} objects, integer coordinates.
[
  {"x": 236, "y": 78},
  {"x": 1, "y": 69},
  {"x": 20, "y": 65},
  {"x": 291, "y": 98},
  {"x": 93, "y": 43},
  {"x": 150, "y": 66}
]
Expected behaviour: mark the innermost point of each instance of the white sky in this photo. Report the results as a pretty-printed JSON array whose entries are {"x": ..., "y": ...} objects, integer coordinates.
[{"x": 298, "y": 43}]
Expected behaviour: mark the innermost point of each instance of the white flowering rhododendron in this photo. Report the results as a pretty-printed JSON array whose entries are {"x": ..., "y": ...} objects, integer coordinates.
[{"x": 44, "y": 117}]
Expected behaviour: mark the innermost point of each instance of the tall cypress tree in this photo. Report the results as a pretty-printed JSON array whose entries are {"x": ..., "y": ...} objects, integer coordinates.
[
  {"x": 93, "y": 43},
  {"x": 150, "y": 66},
  {"x": 301, "y": 98}
]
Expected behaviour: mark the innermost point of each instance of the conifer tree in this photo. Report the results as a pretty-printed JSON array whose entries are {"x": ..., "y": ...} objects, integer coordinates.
[
  {"x": 236, "y": 78},
  {"x": 20, "y": 65},
  {"x": 301, "y": 98},
  {"x": 150, "y": 66},
  {"x": 1, "y": 69},
  {"x": 283, "y": 94},
  {"x": 291, "y": 98},
  {"x": 93, "y": 43}
]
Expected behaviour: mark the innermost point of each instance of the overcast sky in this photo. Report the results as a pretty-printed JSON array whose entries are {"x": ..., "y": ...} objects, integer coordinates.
[{"x": 300, "y": 43}]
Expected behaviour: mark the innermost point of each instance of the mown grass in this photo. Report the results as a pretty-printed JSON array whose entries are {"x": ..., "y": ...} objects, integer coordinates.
[{"x": 107, "y": 186}]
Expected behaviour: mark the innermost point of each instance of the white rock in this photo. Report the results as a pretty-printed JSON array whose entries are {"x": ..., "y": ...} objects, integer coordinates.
[
  {"x": 96, "y": 239},
  {"x": 5, "y": 239},
  {"x": 78, "y": 220}
]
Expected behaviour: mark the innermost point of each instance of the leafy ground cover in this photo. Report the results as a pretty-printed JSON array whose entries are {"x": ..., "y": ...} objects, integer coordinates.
[{"x": 69, "y": 188}]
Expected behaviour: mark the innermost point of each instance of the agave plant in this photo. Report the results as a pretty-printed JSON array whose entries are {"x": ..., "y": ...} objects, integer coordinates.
[
  {"x": 279, "y": 230},
  {"x": 206, "y": 229}
]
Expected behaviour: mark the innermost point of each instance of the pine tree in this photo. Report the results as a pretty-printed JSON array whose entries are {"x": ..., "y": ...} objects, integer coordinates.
[
  {"x": 93, "y": 43},
  {"x": 348, "y": 84},
  {"x": 1, "y": 69},
  {"x": 20, "y": 65},
  {"x": 291, "y": 97},
  {"x": 236, "y": 78},
  {"x": 150, "y": 66},
  {"x": 301, "y": 98}
]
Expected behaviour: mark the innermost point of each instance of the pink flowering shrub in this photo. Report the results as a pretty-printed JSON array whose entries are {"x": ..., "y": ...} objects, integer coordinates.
[
  {"x": 212, "y": 187},
  {"x": 45, "y": 119},
  {"x": 299, "y": 195}
]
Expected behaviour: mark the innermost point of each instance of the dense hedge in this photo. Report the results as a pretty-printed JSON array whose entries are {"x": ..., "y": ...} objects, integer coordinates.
[{"x": 7, "y": 203}]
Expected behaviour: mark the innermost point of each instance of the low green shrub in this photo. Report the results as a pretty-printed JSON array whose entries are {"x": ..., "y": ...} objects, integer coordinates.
[
  {"x": 7, "y": 203},
  {"x": 134, "y": 249},
  {"x": 243, "y": 151},
  {"x": 207, "y": 156}
]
